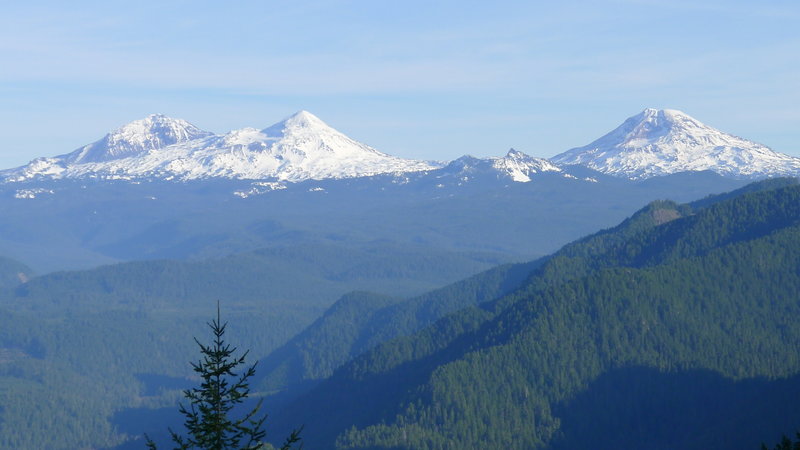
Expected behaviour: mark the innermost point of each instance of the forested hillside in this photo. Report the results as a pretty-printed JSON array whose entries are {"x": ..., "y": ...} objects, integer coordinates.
[
  {"x": 677, "y": 329},
  {"x": 362, "y": 320},
  {"x": 78, "y": 348}
]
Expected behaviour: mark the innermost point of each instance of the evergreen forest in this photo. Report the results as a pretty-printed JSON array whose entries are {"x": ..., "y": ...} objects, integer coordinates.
[{"x": 677, "y": 328}]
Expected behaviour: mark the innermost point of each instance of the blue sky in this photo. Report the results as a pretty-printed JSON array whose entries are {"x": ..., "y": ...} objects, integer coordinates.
[{"x": 419, "y": 79}]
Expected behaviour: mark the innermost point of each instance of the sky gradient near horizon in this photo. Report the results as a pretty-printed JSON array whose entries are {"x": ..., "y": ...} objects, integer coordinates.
[{"x": 425, "y": 80}]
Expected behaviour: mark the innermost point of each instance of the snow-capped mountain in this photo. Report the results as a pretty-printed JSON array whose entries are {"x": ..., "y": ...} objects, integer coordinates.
[
  {"x": 515, "y": 165},
  {"x": 661, "y": 142},
  {"x": 520, "y": 166},
  {"x": 298, "y": 148}
]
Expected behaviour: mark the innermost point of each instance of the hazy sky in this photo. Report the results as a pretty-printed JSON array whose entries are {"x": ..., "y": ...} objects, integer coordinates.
[{"x": 419, "y": 79}]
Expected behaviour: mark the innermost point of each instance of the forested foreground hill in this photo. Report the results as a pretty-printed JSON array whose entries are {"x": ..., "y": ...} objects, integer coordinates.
[
  {"x": 78, "y": 348},
  {"x": 677, "y": 329}
]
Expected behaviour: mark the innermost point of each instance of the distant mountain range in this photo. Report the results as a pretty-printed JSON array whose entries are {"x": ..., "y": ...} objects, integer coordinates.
[
  {"x": 163, "y": 188},
  {"x": 303, "y": 147}
]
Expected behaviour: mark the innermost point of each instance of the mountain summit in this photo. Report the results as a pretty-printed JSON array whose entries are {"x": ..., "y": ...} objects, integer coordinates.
[
  {"x": 297, "y": 122},
  {"x": 301, "y": 147},
  {"x": 665, "y": 141},
  {"x": 154, "y": 132}
]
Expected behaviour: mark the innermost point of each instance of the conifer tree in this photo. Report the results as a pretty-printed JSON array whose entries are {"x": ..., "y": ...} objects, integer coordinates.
[
  {"x": 207, "y": 419},
  {"x": 785, "y": 444}
]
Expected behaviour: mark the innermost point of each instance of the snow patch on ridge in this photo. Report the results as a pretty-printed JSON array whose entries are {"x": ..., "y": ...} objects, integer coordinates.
[
  {"x": 32, "y": 193},
  {"x": 259, "y": 188}
]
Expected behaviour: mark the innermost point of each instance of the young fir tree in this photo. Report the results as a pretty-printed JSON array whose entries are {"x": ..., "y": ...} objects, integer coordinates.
[{"x": 207, "y": 420}]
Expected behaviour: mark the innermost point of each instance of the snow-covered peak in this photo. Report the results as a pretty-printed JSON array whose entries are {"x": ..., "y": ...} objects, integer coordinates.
[
  {"x": 664, "y": 141},
  {"x": 306, "y": 133},
  {"x": 653, "y": 123},
  {"x": 515, "y": 165},
  {"x": 517, "y": 157},
  {"x": 298, "y": 148},
  {"x": 154, "y": 132},
  {"x": 520, "y": 166}
]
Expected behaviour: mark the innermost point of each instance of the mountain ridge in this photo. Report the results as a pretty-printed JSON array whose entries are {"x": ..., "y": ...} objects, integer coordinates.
[
  {"x": 298, "y": 148},
  {"x": 655, "y": 142}
]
